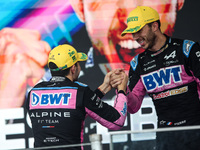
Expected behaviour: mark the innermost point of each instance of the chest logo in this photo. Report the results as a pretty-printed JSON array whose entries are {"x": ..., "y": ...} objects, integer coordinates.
[
  {"x": 162, "y": 77},
  {"x": 173, "y": 55}
]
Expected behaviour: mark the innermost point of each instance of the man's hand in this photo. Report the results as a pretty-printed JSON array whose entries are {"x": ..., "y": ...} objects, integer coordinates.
[
  {"x": 116, "y": 77},
  {"x": 123, "y": 85},
  {"x": 117, "y": 80},
  {"x": 22, "y": 59}
]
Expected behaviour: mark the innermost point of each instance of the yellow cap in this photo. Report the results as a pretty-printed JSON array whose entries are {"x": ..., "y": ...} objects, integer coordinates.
[
  {"x": 139, "y": 17},
  {"x": 64, "y": 56}
]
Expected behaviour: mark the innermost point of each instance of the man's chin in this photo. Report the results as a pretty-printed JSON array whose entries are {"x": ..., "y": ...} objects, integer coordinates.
[{"x": 126, "y": 55}]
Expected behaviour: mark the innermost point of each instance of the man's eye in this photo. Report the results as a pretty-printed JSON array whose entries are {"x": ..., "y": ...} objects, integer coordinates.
[{"x": 140, "y": 30}]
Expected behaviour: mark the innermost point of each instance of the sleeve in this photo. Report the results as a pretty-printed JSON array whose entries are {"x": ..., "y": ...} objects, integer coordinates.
[
  {"x": 136, "y": 90},
  {"x": 192, "y": 53},
  {"x": 27, "y": 101},
  {"x": 112, "y": 117}
]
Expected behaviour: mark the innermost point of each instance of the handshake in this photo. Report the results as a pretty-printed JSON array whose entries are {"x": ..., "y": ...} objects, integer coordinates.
[{"x": 114, "y": 79}]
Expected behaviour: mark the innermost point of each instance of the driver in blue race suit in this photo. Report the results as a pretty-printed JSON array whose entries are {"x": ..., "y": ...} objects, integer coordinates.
[
  {"x": 58, "y": 108},
  {"x": 169, "y": 72}
]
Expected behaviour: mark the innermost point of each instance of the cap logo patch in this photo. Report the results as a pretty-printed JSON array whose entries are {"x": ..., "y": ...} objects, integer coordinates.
[
  {"x": 83, "y": 56},
  {"x": 74, "y": 58},
  {"x": 71, "y": 53},
  {"x": 52, "y": 57},
  {"x": 149, "y": 19},
  {"x": 135, "y": 18},
  {"x": 133, "y": 29}
]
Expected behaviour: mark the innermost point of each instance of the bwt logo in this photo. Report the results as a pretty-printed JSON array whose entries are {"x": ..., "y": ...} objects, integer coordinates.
[
  {"x": 162, "y": 77},
  {"x": 50, "y": 99}
]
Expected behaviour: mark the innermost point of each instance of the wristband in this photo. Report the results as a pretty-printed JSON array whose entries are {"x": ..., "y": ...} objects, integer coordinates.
[{"x": 121, "y": 91}]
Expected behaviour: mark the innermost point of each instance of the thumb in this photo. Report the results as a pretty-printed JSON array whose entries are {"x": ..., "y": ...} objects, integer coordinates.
[{"x": 109, "y": 73}]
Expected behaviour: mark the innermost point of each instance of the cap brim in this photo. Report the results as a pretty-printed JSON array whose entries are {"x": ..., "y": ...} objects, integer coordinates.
[
  {"x": 124, "y": 32},
  {"x": 132, "y": 29},
  {"x": 82, "y": 57}
]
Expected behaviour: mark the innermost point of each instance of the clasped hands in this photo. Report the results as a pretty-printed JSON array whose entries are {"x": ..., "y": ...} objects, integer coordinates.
[{"x": 116, "y": 78}]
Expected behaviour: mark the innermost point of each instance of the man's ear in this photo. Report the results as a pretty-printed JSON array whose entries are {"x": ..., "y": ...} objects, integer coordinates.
[
  {"x": 180, "y": 4},
  {"x": 78, "y": 8},
  {"x": 73, "y": 69},
  {"x": 155, "y": 26}
]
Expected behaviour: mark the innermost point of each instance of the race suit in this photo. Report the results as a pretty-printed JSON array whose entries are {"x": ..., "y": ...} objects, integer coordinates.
[
  {"x": 58, "y": 108},
  {"x": 170, "y": 77}
]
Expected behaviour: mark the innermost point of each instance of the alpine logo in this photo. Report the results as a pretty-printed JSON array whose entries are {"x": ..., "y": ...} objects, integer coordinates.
[
  {"x": 162, "y": 77},
  {"x": 173, "y": 55}
]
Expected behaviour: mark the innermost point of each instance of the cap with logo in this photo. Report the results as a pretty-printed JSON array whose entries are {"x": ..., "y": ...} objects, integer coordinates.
[
  {"x": 139, "y": 17},
  {"x": 64, "y": 56}
]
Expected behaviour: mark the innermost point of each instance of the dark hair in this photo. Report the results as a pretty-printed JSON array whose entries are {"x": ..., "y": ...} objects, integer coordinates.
[
  {"x": 59, "y": 72},
  {"x": 158, "y": 21}
]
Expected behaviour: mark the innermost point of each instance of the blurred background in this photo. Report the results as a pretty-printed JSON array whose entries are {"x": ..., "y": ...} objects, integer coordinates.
[{"x": 30, "y": 29}]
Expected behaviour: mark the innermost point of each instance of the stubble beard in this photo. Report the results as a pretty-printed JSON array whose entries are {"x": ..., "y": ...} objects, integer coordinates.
[{"x": 151, "y": 38}]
